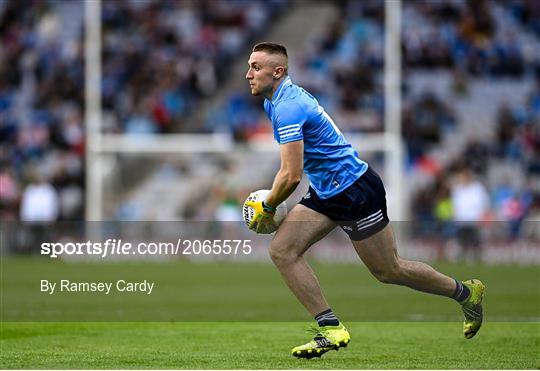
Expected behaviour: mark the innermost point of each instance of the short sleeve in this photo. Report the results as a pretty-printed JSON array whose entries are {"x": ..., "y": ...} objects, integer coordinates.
[{"x": 289, "y": 122}]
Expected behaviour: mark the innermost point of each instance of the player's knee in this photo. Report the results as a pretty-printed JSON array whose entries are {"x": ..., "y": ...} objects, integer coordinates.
[
  {"x": 281, "y": 255},
  {"x": 390, "y": 274},
  {"x": 384, "y": 277}
]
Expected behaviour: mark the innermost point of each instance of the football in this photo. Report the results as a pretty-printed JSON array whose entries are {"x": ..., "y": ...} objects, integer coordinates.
[{"x": 247, "y": 212}]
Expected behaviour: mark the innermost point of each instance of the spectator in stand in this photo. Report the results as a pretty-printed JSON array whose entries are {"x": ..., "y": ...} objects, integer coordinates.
[
  {"x": 530, "y": 133},
  {"x": 9, "y": 195},
  {"x": 229, "y": 193},
  {"x": 530, "y": 222},
  {"x": 39, "y": 202},
  {"x": 39, "y": 208},
  {"x": 443, "y": 214},
  {"x": 424, "y": 121},
  {"x": 470, "y": 204},
  {"x": 477, "y": 155}
]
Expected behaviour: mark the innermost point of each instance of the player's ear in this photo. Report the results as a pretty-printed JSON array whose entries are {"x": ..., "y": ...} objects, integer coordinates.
[{"x": 278, "y": 72}]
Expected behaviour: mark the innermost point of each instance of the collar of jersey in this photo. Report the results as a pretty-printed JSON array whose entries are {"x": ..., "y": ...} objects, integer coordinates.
[{"x": 277, "y": 93}]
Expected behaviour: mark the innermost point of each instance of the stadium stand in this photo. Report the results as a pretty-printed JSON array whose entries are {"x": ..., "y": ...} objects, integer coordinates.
[
  {"x": 160, "y": 59},
  {"x": 471, "y": 93},
  {"x": 486, "y": 67},
  {"x": 41, "y": 109}
]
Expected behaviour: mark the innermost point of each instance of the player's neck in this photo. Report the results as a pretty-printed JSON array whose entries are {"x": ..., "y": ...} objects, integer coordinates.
[{"x": 275, "y": 87}]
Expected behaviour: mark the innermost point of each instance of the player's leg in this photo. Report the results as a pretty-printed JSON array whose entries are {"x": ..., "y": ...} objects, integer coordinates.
[
  {"x": 302, "y": 228},
  {"x": 379, "y": 254}
]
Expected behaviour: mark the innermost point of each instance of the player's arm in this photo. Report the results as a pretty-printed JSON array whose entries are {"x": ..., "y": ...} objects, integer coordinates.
[
  {"x": 289, "y": 174},
  {"x": 289, "y": 119},
  {"x": 285, "y": 182}
]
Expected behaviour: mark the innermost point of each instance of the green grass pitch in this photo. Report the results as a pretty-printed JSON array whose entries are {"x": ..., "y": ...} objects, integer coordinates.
[{"x": 241, "y": 316}]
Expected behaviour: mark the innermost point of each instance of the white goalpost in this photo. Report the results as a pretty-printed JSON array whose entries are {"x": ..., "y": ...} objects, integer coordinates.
[
  {"x": 92, "y": 113},
  {"x": 393, "y": 145},
  {"x": 99, "y": 145}
]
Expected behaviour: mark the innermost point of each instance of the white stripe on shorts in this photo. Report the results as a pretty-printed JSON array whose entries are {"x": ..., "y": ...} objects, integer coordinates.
[
  {"x": 369, "y": 218},
  {"x": 372, "y": 223}
]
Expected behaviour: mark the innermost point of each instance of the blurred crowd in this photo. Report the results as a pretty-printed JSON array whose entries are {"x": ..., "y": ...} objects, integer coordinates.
[
  {"x": 343, "y": 67},
  {"x": 338, "y": 68},
  {"x": 511, "y": 196},
  {"x": 496, "y": 41},
  {"x": 482, "y": 38},
  {"x": 41, "y": 112},
  {"x": 160, "y": 59},
  {"x": 163, "y": 59}
]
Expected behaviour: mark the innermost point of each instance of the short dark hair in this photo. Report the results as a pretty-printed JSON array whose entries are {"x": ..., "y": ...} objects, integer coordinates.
[{"x": 270, "y": 48}]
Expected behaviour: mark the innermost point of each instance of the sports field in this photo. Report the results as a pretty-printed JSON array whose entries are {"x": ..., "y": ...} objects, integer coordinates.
[{"x": 231, "y": 315}]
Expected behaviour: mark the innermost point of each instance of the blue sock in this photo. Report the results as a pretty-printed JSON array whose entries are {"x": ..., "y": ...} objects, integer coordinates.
[{"x": 327, "y": 318}]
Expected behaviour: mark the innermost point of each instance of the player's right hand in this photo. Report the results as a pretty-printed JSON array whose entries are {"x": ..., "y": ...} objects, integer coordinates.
[{"x": 263, "y": 217}]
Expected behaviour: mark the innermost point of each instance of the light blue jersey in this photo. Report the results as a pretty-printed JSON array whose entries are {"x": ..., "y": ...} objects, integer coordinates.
[{"x": 330, "y": 162}]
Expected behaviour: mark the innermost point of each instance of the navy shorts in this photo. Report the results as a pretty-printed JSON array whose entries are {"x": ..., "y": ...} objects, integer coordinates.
[{"x": 360, "y": 210}]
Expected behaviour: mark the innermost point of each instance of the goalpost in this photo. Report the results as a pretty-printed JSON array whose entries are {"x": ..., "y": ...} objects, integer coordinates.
[
  {"x": 92, "y": 113},
  {"x": 99, "y": 145},
  {"x": 393, "y": 145}
]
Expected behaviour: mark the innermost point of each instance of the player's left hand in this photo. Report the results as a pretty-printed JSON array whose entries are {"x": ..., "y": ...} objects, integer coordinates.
[{"x": 263, "y": 217}]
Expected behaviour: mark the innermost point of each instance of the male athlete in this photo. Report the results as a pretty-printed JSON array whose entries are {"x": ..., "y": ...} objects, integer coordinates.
[{"x": 343, "y": 191}]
